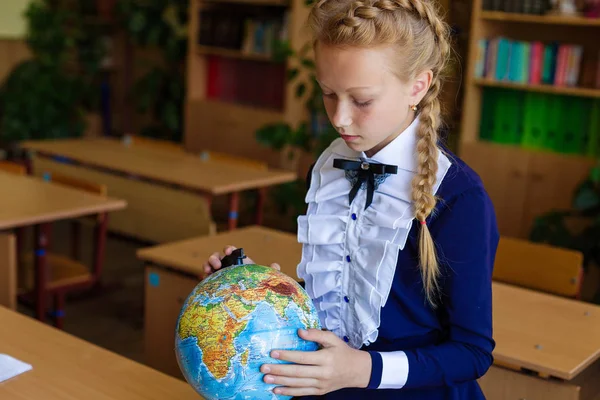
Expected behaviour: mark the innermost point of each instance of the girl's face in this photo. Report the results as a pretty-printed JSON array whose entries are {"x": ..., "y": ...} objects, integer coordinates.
[{"x": 365, "y": 101}]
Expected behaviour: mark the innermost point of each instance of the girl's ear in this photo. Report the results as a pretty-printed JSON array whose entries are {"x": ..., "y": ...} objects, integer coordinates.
[{"x": 420, "y": 86}]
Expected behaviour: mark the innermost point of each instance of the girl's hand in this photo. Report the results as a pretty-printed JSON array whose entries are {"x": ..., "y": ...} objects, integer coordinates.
[
  {"x": 214, "y": 261},
  {"x": 334, "y": 366}
]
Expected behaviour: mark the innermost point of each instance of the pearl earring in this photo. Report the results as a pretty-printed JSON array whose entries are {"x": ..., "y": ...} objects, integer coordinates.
[{"x": 414, "y": 107}]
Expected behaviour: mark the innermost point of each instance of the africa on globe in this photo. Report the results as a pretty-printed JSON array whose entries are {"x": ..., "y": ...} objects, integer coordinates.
[{"x": 231, "y": 322}]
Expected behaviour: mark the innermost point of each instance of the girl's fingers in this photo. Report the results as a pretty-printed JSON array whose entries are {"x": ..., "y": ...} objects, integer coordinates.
[
  {"x": 290, "y": 382},
  {"x": 297, "y": 392},
  {"x": 229, "y": 249},
  {"x": 296, "y": 371},
  {"x": 215, "y": 260}
]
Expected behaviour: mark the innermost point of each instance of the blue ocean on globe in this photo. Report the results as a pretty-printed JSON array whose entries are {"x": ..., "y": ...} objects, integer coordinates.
[{"x": 230, "y": 324}]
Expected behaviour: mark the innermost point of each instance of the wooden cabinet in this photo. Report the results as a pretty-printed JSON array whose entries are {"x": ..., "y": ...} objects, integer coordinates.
[
  {"x": 524, "y": 184},
  {"x": 165, "y": 293},
  {"x": 504, "y": 171}
]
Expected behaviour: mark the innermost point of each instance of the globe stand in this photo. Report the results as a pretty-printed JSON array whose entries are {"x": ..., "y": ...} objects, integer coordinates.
[{"x": 236, "y": 257}]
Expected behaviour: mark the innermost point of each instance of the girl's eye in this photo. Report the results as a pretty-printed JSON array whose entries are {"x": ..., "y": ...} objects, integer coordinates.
[
  {"x": 330, "y": 95},
  {"x": 363, "y": 104}
]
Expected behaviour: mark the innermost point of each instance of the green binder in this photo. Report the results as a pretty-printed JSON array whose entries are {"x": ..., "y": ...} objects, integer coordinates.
[
  {"x": 593, "y": 143},
  {"x": 488, "y": 107},
  {"x": 553, "y": 123},
  {"x": 575, "y": 124},
  {"x": 534, "y": 125},
  {"x": 508, "y": 117}
]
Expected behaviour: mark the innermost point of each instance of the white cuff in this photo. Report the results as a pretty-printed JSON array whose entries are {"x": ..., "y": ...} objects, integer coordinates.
[{"x": 395, "y": 370}]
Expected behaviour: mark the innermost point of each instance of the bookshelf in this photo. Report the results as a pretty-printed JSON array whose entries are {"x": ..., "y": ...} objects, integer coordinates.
[
  {"x": 541, "y": 88},
  {"x": 235, "y": 85},
  {"x": 539, "y": 19},
  {"x": 530, "y": 133}
]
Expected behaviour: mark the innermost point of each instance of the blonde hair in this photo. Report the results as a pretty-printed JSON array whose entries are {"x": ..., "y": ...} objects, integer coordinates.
[{"x": 422, "y": 39}]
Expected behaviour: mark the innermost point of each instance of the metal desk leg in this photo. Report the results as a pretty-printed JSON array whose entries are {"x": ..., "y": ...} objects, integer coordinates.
[
  {"x": 260, "y": 205},
  {"x": 42, "y": 232},
  {"x": 234, "y": 202}
]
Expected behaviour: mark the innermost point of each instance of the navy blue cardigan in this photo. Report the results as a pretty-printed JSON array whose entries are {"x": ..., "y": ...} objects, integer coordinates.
[{"x": 448, "y": 348}]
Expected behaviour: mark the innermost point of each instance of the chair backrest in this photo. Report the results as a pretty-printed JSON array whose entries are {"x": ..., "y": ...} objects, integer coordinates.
[
  {"x": 539, "y": 266},
  {"x": 235, "y": 160},
  {"x": 156, "y": 143},
  {"x": 13, "y": 167},
  {"x": 100, "y": 228},
  {"x": 77, "y": 183},
  {"x": 8, "y": 271}
]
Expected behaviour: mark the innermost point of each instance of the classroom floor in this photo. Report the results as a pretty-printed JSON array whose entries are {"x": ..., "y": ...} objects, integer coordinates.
[{"x": 113, "y": 318}]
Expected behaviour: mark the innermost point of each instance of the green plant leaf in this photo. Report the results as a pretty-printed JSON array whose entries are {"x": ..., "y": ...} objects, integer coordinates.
[
  {"x": 292, "y": 73},
  {"x": 308, "y": 63},
  {"x": 274, "y": 135},
  {"x": 595, "y": 174},
  {"x": 300, "y": 89},
  {"x": 551, "y": 229},
  {"x": 586, "y": 197}
]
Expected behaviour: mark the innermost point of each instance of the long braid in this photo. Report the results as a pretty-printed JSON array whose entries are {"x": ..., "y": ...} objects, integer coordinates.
[
  {"x": 422, "y": 37},
  {"x": 422, "y": 187}
]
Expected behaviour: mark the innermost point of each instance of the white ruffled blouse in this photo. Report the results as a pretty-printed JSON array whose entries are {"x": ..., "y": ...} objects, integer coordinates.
[{"x": 349, "y": 254}]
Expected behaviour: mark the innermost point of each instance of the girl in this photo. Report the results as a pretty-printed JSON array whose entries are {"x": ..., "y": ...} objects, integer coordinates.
[{"x": 400, "y": 236}]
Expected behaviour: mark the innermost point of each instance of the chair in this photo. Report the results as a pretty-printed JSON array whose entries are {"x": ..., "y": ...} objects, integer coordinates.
[
  {"x": 13, "y": 167},
  {"x": 220, "y": 205},
  {"x": 17, "y": 169},
  {"x": 8, "y": 271},
  {"x": 235, "y": 160},
  {"x": 172, "y": 146},
  {"x": 67, "y": 274},
  {"x": 155, "y": 143},
  {"x": 539, "y": 266}
]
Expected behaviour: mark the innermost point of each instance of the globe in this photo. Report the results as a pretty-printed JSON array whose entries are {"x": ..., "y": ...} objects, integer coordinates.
[{"x": 229, "y": 324}]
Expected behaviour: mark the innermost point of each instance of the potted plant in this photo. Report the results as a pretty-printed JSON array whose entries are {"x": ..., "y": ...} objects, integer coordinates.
[
  {"x": 577, "y": 228},
  {"x": 160, "y": 91},
  {"x": 43, "y": 96}
]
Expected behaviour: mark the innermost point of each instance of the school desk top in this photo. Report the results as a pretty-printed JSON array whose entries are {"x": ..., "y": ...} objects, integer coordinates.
[
  {"x": 28, "y": 200},
  {"x": 549, "y": 334},
  {"x": 545, "y": 333},
  {"x": 184, "y": 170},
  {"x": 263, "y": 245},
  {"x": 66, "y": 367}
]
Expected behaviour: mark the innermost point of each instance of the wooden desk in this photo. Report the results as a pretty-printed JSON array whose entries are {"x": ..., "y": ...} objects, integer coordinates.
[
  {"x": 547, "y": 347},
  {"x": 567, "y": 331},
  {"x": 263, "y": 245},
  {"x": 31, "y": 201},
  {"x": 173, "y": 270},
  {"x": 179, "y": 170},
  {"x": 65, "y": 367}
]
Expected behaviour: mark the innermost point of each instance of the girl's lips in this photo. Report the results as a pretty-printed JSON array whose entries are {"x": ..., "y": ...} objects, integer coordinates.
[{"x": 349, "y": 138}]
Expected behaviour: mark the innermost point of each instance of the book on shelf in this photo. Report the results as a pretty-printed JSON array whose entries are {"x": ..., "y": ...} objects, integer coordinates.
[
  {"x": 538, "y": 7},
  {"x": 250, "y": 34},
  {"x": 517, "y": 61},
  {"x": 246, "y": 82},
  {"x": 562, "y": 124}
]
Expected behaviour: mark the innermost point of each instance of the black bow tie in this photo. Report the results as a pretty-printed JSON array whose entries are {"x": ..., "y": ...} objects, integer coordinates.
[{"x": 365, "y": 173}]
